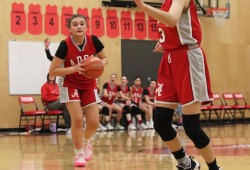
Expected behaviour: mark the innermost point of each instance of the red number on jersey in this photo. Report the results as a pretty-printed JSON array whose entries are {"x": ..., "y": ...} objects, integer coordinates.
[
  {"x": 152, "y": 28},
  {"x": 126, "y": 25},
  {"x": 51, "y": 21},
  {"x": 112, "y": 25},
  {"x": 97, "y": 22},
  {"x": 67, "y": 12},
  {"x": 140, "y": 25},
  {"x": 35, "y": 19},
  {"x": 18, "y": 19}
]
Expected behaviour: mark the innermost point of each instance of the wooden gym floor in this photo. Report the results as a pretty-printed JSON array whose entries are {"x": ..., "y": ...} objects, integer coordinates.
[{"x": 121, "y": 150}]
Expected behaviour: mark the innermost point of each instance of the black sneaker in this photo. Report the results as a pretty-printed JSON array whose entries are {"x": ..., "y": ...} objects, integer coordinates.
[{"x": 195, "y": 165}]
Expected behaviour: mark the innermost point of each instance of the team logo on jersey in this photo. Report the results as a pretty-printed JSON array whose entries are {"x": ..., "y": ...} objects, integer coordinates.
[
  {"x": 159, "y": 89},
  {"x": 75, "y": 94}
]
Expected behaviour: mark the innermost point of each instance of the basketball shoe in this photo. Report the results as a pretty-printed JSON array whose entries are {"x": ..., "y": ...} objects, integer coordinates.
[
  {"x": 79, "y": 160},
  {"x": 195, "y": 165},
  {"x": 88, "y": 151}
]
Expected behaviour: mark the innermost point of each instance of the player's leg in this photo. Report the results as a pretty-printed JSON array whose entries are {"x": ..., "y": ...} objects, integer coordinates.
[{"x": 118, "y": 117}]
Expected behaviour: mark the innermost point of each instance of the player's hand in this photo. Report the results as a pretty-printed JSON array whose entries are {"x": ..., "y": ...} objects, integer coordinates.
[
  {"x": 158, "y": 48},
  {"x": 46, "y": 43},
  {"x": 79, "y": 68},
  {"x": 139, "y": 3}
]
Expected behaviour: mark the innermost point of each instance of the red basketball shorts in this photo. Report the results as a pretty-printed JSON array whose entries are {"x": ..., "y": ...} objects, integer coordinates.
[
  {"x": 183, "y": 77},
  {"x": 86, "y": 97}
]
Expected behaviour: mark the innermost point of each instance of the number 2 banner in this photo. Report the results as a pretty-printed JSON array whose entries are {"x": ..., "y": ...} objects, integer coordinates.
[{"x": 18, "y": 19}]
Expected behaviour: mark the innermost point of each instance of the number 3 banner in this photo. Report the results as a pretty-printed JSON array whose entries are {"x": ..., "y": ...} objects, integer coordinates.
[
  {"x": 18, "y": 19},
  {"x": 97, "y": 22},
  {"x": 112, "y": 25},
  {"x": 35, "y": 19},
  {"x": 51, "y": 21}
]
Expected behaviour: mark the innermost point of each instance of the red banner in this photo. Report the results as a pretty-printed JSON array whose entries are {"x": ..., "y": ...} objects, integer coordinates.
[
  {"x": 140, "y": 25},
  {"x": 51, "y": 21},
  {"x": 18, "y": 19},
  {"x": 35, "y": 19},
  {"x": 126, "y": 25},
  {"x": 97, "y": 22},
  {"x": 67, "y": 13},
  {"x": 84, "y": 12},
  {"x": 112, "y": 25},
  {"x": 152, "y": 28}
]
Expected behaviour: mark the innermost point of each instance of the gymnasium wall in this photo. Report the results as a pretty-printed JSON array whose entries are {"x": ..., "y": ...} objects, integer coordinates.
[{"x": 227, "y": 50}]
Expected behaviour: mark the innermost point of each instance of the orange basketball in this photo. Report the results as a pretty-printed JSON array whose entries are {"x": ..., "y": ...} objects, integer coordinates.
[{"x": 93, "y": 67}]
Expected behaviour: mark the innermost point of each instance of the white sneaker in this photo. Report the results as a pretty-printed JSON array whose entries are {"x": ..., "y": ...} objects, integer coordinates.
[
  {"x": 119, "y": 127},
  {"x": 143, "y": 126},
  {"x": 149, "y": 125},
  {"x": 110, "y": 127},
  {"x": 88, "y": 151},
  {"x": 102, "y": 128},
  {"x": 79, "y": 160},
  {"x": 174, "y": 126},
  {"x": 131, "y": 127},
  {"x": 68, "y": 131}
]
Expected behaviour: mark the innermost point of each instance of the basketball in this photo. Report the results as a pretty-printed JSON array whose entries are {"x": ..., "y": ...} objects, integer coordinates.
[{"x": 93, "y": 67}]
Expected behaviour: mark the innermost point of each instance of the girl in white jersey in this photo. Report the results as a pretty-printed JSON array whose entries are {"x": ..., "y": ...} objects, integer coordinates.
[{"x": 183, "y": 77}]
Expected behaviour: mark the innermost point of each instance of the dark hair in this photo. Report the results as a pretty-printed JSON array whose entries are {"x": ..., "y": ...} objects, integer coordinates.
[
  {"x": 113, "y": 74},
  {"x": 136, "y": 77},
  {"x": 48, "y": 79},
  {"x": 203, "y": 9},
  {"x": 75, "y": 16}
]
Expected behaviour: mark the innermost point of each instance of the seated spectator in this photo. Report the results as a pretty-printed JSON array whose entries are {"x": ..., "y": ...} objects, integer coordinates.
[{"x": 50, "y": 96}]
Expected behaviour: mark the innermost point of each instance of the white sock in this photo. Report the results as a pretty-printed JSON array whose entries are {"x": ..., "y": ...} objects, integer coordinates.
[{"x": 78, "y": 151}]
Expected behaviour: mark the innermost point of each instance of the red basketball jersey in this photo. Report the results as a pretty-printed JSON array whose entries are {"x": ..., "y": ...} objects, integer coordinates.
[
  {"x": 186, "y": 31},
  {"x": 112, "y": 91},
  {"x": 151, "y": 94},
  {"x": 73, "y": 57},
  {"x": 137, "y": 94}
]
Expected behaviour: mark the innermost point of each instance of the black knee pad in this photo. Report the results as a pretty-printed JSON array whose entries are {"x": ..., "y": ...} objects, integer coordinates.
[
  {"x": 105, "y": 110},
  {"x": 126, "y": 109},
  {"x": 163, "y": 123},
  {"x": 191, "y": 124},
  {"x": 135, "y": 110}
]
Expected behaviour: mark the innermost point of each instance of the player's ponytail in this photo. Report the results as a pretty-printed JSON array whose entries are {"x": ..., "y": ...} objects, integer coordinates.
[{"x": 203, "y": 9}]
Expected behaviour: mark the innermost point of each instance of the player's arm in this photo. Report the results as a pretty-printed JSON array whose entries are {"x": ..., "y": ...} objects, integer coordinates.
[
  {"x": 46, "y": 44},
  {"x": 100, "y": 50},
  {"x": 169, "y": 18},
  {"x": 105, "y": 90},
  {"x": 146, "y": 97},
  {"x": 123, "y": 96},
  {"x": 55, "y": 66}
]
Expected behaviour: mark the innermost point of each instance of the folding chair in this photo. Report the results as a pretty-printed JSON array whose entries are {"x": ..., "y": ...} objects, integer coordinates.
[
  {"x": 229, "y": 107},
  {"x": 241, "y": 104},
  {"x": 216, "y": 107},
  {"x": 29, "y": 112},
  {"x": 53, "y": 115}
]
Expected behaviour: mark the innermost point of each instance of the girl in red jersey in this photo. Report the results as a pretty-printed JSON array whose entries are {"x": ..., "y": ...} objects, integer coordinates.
[
  {"x": 110, "y": 93},
  {"x": 183, "y": 77},
  {"x": 75, "y": 90},
  {"x": 135, "y": 93}
]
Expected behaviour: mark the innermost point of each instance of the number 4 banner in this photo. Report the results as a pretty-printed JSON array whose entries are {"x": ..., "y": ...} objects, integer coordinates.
[
  {"x": 112, "y": 25},
  {"x": 51, "y": 22},
  {"x": 18, "y": 19}
]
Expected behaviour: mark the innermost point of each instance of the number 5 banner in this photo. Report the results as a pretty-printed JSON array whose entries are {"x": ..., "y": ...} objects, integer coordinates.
[
  {"x": 51, "y": 21},
  {"x": 97, "y": 22}
]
